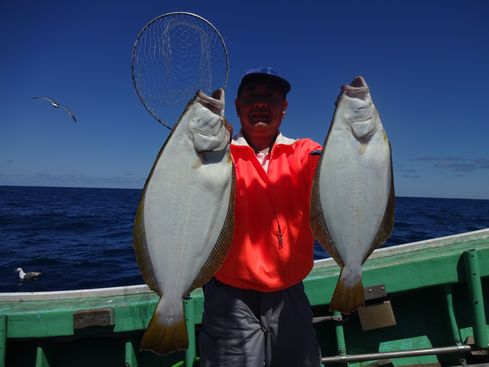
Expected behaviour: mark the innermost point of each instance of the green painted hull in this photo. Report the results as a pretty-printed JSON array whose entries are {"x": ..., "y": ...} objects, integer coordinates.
[{"x": 436, "y": 296}]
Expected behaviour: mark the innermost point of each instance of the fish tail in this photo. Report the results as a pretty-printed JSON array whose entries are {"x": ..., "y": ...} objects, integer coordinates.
[
  {"x": 348, "y": 294},
  {"x": 165, "y": 334}
]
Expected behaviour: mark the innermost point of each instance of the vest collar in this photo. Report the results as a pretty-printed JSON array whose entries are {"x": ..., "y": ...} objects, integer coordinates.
[{"x": 239, "y": 139}]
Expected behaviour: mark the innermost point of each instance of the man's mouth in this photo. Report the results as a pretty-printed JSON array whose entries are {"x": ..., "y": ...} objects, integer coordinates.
[{"x": 257, "y": 117}]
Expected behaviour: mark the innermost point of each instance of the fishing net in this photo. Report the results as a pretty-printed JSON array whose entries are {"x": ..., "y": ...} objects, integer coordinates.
[{"x": 175, "y": 55}]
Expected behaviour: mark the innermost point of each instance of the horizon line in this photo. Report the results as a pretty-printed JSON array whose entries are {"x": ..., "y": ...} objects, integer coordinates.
[{"x": 140, "y": 189}]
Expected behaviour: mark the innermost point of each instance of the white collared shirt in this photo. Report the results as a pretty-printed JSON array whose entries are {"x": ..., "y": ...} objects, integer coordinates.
[{"x": 263, "y": 156}]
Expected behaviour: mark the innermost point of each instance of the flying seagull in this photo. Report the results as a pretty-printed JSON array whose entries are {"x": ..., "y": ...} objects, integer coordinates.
[
  {"x": 28, "y": 275},
  {"x": 57, "y": 105}
]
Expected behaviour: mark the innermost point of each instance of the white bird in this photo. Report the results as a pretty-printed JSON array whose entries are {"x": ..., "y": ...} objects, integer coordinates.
[
  {"x": 28, "y": 275},
  {"x": 58, "y": 105}
]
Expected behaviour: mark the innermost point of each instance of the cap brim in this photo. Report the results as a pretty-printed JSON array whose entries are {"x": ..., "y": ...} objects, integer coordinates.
[{"x": 284, "y": 84}]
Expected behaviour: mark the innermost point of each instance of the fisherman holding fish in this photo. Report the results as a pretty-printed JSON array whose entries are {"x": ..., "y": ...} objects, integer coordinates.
[
  {"x": 241, "y": 218},
  {"x": 256, "y": 312}
]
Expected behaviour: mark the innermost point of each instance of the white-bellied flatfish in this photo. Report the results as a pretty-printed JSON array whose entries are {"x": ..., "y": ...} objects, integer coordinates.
[
  {"x": 352, "y": 198},
  {"x": 184, "y": 221}
]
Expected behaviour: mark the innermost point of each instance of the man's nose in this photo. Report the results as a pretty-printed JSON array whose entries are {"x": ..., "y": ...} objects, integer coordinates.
[{"x": 260, "y": 104}]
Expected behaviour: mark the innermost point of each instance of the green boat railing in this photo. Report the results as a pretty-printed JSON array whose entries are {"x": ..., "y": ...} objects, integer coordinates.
[
  {"x": 3, "y": 339},
  {"x": 445, "y": 278},
  {"x": 473, "y": 278}
]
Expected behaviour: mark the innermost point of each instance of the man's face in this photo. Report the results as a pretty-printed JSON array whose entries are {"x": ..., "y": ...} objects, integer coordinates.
[{"x": 261, "y": 105}]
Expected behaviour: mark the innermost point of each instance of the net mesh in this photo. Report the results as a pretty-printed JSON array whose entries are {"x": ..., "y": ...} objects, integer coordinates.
[{"x": 175, "y": 55}]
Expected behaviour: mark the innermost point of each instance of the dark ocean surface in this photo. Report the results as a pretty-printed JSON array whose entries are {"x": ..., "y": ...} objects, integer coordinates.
[{"x": 82, "y": 237}]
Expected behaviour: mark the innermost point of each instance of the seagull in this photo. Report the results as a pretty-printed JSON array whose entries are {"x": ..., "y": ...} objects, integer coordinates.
[
  {"x": 28, "y": 275},
  {"x": 57, "y": 105}
]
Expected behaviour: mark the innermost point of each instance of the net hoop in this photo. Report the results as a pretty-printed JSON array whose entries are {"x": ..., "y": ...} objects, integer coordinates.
[{"x": 134, "y": 56}]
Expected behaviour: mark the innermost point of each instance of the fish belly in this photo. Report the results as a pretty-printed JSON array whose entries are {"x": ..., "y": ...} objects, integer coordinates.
[
  {"x": 354, "y": 191},
  {"x": 188, "y": 208}
]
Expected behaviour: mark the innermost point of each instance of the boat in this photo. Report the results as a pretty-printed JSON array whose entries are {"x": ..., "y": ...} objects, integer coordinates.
[{"x": 426, "y": 305}]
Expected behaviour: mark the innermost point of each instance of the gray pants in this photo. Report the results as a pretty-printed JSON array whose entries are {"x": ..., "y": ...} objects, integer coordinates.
[{"x": 246, "y": 328}]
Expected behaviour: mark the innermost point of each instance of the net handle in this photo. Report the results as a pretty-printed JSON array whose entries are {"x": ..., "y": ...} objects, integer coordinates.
[{"x": 133, "y": 57}]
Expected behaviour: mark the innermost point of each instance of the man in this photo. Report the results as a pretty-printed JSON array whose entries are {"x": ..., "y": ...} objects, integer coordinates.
[{"x": 256, "y": 312}]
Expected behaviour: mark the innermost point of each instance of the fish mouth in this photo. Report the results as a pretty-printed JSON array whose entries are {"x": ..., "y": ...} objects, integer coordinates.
[
  {"x": 218, "y": 94},
  {"x": 215, "y": 102},
  {"x": 358, "y": 86},
  {"x": 358, "y": 82}
]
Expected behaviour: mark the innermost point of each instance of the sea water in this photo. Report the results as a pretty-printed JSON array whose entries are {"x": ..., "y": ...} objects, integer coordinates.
[{"x": 82, "y": 237}]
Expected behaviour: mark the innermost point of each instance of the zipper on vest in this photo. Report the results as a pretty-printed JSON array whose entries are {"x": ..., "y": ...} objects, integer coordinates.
[
  {"x": 280, "y": 240},
  {"x": 279, "y": 230}
]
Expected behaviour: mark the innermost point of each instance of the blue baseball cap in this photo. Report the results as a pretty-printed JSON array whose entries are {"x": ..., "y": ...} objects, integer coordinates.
[{"x": 265, "y": 72}]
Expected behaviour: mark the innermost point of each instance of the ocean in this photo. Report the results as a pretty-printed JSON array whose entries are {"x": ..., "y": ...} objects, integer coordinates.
[{"x": 82, "y": 237}]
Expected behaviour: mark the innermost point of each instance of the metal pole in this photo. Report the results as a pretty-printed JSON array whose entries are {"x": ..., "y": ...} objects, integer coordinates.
[
  {"x": 396, "y": 354},
  {"x": 3, "y": 340},
  {"x": 451, "y": 314},
  {"x": 340, "y": 334},
  {"x": 453, "y": 320},
  {"x": 188, "y": 309},
  {"x": 41, "y": 359},
  {"x": 130, "y": 355},
  {"x": 475, "y": 291}
]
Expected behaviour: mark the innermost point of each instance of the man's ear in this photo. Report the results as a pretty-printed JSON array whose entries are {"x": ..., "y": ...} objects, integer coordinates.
[
  {"x": 284, "y": 107},
  {"x": 238, "y": 106}
]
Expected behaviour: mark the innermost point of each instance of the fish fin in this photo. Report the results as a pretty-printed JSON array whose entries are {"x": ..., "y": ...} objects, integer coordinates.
[
  {"x": 318, "y": 223},
  {"x": 141, "y": 248},
  {"x": 164, "y": 338},
  {"x": 220, "y": 250},
  {"x": 388, "y": 220},
  {"x": 346, "y": 298},
  {"x": 387, "y": 225}
]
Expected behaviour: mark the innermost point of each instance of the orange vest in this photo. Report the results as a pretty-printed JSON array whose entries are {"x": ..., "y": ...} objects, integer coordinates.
[{"x": 272, "y": 248}]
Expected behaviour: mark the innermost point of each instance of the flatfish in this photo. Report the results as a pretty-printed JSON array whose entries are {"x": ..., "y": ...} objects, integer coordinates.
[
  {"x": 185, "y": 218},
  {"x": 352, "y": 198}
]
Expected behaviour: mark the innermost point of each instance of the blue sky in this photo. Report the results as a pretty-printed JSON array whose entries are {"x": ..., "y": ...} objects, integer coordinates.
[{"x": 426, "y": 62}]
